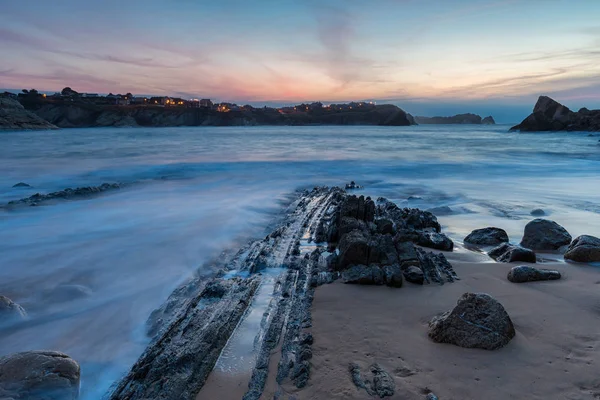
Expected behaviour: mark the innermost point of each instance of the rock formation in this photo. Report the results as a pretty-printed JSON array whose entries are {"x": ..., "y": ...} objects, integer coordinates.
[
  {"x": 510, "y": 253},
  {"x": 192, "y": 328},
  {"x": 487, "y": 236},
  {"x": 478, "y": 320},
  {"x": 549, "y": 115},
  {"x": 456, "y": 119},
  {"x": 10, "y": 311},
  {"x": 13, "y": 116},
  {"x": 80, "y": 115},
  {"x": 542, "y": 234},
  {"x": 525, "y": 273},
  {"x": 380, "y": 385},
  {"x": 584, "y": 248},
  {"x": 66, "y": 194},
  {"x": 40, "y": 375}
]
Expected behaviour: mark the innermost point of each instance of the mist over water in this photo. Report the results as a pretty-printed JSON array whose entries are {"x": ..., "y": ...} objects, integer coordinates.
[{"x": 89, "y": 272}]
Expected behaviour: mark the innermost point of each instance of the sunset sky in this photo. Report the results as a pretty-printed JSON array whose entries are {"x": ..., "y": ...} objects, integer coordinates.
[{"x": 429, "y": 56}]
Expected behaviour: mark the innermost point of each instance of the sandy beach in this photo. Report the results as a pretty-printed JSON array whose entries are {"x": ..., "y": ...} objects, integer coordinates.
[{"x": 553, "y": 356}]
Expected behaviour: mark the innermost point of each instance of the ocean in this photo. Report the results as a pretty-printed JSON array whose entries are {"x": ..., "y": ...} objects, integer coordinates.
[{"x": 90, "y": 271}]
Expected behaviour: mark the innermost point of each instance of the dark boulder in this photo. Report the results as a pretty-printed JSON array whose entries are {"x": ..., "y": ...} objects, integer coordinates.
[
  {"x": 584, "y": 248},
  {"x": 413, "y": 274},
  {"x": 510, "y": 253},
  {"x": 524, "y": 273},
  {"x": 385, "y": 226},
  {"x": 363, "y": 275},
  {"x": 40, "y": 375},
  {"x": 349, "y": 224},
  {"x": 10, "y": 311},
  {"x": 407, "y": 253},
  {"x": 354, "y": 249},
  {"x": 477, "y": 321},
  {"x": 543, "y": 234},
  {"x": 435, "y": 240},
  {"x": 380, "y": 385},
  {"x": 487, "y": 236},
  {"x": 382, "y": 250},
  {"x": 389, "y": 275},
  {"x": 538, "y": 212}
]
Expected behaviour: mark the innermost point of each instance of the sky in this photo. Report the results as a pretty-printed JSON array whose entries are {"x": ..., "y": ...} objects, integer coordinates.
[{"x": 430, "y": 57}]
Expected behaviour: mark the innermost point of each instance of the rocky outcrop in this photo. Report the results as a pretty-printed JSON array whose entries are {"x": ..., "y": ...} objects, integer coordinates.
[
  {"x": 510, "y": 253},
  {"x": 13, "y": 116},
  {"x": 66, "y": 194},
  {"x": 477, "y": 321},
  {"x": 487, "y": 236},
  {"x": 390, "y": 275},
  {"x": 542, "y": 234},
  {"x": 40, "y": 375},
  {"x": 584, "y": 248},
  {"x": 10, "y": 311},
  {"x": 489, "y": 120},
  {"x": 549, "y": 115},
  {"x": 414, "y": 275},
  {"x": 80, "y": 114},
  {"x": 455, "y": 119},
  {"x": 524, "y": 273}
]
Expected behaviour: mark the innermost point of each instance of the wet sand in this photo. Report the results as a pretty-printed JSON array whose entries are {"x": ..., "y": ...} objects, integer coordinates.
[{"x": 555, "y": 354}]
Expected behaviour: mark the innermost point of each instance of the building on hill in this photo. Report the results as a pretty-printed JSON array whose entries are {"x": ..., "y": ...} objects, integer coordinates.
[{"x": 206, "y": 103}]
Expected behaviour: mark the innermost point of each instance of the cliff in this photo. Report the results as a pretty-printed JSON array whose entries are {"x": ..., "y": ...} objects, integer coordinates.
[
  {"x": 456, "y": 119},
  {"x": 550, "y": 115},
  {"x": 73, "y": 114},
  {"x": 13, "y": 116}
]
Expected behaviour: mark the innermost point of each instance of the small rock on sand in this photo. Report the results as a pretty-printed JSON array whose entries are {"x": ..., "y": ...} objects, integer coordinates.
[
  {"x": 525, "y": 273},
  {"x": 510, "y": 253},
  {"x": 584, "y": 248},
  {"x": 487, "y": 236},
  {"x": 477, "y": 321}
]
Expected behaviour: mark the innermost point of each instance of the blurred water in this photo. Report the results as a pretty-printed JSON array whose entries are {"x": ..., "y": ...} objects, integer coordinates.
[{"x": 90, "y": 271}]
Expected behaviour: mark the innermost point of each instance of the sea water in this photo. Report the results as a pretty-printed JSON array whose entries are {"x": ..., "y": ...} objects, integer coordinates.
[{"x": 90, "y": 271}]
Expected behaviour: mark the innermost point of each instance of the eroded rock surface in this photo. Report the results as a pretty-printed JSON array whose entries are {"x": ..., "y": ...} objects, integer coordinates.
[
  {"x": 39, "y": 375},
  {"x": 477, "y": 321},
  {"x": 379, "y": 384}
]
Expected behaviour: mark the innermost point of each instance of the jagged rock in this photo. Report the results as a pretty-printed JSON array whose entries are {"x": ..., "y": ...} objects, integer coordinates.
[
  {"x": 421, "y": 220},
  {"x": 21, "y": 185},
  {"x": 363, "y": 275},
  {"x": 584, "y": 248},
  {"x": 489, "y": 120},
  {"x": 385, "y": 226},
  {"x": 382, "y": 250},
  {"x": 349, "y": 224},
  {"x": 407, "y": 253},
  {"x": 301, "y": 374},
  {"x": 538, "y": 212},
  {"x": 543, "y": 234},
  {"x": 39, "y": 375},
  {"x": 487, "y": 236},
  {"x": 549, "y": 115},
  {"x": 510, "y": 253},
  {"x": 413, "y": 275},
  {"x": 392, "y": 275},
  {"x": 354, "y": 249},
  {"x": 524, "y": 273},
  {"x": 435, "y": 267},
  {"x": 435, "y": 240},
  {"x": 477, "y": 321},
  {"x": 440, "y": 211},
  {"x": 13, "y": 116},
  {"x": 10, "y": 311}
]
